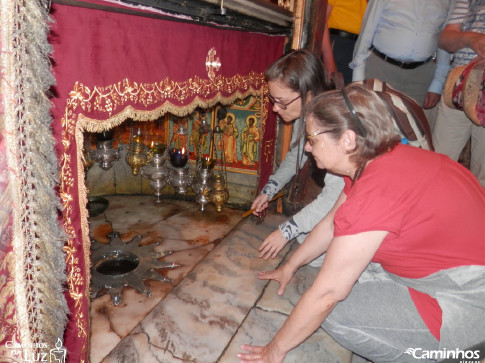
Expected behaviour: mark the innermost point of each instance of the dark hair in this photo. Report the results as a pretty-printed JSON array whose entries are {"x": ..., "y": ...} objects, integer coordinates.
[
  {"x": 300, "y": 70},
  {"x": 329, "y": 111}
]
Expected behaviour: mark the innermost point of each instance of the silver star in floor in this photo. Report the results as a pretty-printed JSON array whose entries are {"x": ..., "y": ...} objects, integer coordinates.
[{"x": 119, "y": 264}]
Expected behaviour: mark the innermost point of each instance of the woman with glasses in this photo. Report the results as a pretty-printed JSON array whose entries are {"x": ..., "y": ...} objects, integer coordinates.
[
  {"x": 404, "y": 274},
  {"x": 292, "y": 81}
]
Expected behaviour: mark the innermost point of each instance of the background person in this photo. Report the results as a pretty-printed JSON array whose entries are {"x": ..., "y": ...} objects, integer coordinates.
[
  {"x": 463, "y": 36},
  {"x": 397, "y": 45},
  {"x": 293, "y": 80},
  {"x": 400, "y": 270},
  {"x": 342, "y": 27}
]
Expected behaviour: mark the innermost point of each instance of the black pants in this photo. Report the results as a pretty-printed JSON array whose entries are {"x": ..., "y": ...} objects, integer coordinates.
[{"x": 343, "y": 50}]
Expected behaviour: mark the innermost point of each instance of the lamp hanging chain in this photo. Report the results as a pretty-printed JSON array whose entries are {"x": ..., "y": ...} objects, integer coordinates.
[{"x": 223, "y": 11}]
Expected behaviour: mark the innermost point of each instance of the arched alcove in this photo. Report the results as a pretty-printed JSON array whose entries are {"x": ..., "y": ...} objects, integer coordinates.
[{"x": 110, "y": 67}]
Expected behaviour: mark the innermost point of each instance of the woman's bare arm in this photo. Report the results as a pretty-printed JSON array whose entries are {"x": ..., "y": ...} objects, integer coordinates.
[{"x": 346, "y": 258}]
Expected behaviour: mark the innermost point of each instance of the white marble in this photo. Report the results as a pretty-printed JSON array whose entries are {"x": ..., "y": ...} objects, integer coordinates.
[
  {"x": 259, "y": 328},
  {"x": 198, "y": 319},
  {"x": 301, "y": 281},
  {"x": 137, "y": 215},
  {"x": 215, "y": 304},
  {"x": 110, "y": 323}
]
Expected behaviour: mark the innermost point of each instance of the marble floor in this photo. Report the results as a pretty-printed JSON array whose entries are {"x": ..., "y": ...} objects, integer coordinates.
[{"x": 214, "y": 304}]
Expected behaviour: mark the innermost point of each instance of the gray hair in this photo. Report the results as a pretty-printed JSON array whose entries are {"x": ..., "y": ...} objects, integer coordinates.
[{"x": 375, "y": 133}]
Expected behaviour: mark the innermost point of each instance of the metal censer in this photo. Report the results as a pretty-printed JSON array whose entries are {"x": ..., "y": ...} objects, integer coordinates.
[
  {"x": 105, "y": 153},
  {"x": 218, "y": 194},
  {"x": 202, "y": 188}
]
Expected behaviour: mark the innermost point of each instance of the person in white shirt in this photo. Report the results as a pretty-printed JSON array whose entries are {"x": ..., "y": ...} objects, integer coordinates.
[{"x": 398, "y": 43}]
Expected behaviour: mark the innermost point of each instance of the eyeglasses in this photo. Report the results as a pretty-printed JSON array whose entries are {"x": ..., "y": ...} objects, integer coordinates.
[
  {"x": 316, "y": 133},
  {"x": 280, "y": 104}
]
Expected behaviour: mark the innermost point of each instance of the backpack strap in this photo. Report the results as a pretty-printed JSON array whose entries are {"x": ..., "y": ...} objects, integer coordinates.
[
  {"x": 409, "y": 118},
  {"x": 400, "y": 117},
  {"x": 416, "y": 116}
]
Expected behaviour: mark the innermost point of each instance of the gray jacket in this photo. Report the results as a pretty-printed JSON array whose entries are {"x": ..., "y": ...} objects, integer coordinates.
[{"x": 302, "y": 222}]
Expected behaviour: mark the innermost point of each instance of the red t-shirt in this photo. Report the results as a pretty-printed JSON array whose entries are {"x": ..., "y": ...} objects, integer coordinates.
[{"x": 433, "y": 209}]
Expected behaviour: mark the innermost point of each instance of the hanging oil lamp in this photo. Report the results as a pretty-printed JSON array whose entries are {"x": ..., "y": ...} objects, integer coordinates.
[
  {"x": 105, "y": 153},
  {"x": 218, "y": 194},
  {"x": 201, "y": 185},
  {"x": 178, "y": 152},
  {"x": 156, "y": 170},
  {"x": 137, "y": 155},
  {"x": 204, "y": 163},
  {"x": 180, "y": 175}
]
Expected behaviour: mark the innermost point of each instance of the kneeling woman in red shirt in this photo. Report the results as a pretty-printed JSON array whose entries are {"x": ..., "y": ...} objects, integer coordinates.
[{"x": 405, "y": 242}]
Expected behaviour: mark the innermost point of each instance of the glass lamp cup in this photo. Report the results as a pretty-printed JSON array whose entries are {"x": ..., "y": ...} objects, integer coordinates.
[
  {"x": 178, "y": 158},
  {"x": 158, "y": 148},
  {"x": 105, "y": 135}
]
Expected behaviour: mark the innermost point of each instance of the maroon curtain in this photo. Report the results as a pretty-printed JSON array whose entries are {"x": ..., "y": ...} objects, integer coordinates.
[{"x": 106, "y": 63}]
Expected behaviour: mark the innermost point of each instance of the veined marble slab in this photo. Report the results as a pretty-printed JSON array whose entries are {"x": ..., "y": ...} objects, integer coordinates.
[
  {"x": 216, "y": 303},
  {"x": 270, "y": 313},
  {"x": 260, "y": 327},
  {"x": 180, "y": 227},
  {"x": 198, "y": 319}
]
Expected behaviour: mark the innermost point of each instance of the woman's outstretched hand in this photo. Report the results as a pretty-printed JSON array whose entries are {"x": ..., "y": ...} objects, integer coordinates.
[
  {"x": 282, "y": 274},
  {"x": 272, "y": 245},
  {"x": 260, "y": 354}
]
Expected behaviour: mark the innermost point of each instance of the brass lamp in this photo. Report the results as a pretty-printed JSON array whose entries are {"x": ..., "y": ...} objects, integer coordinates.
[
  {"x": 201, "y": 130},
  {"x": 137, "y": 155},
  {"x": 218, "y": 194}
]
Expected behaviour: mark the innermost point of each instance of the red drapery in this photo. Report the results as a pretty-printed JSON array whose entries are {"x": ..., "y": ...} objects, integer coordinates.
[{"x": 110, "y": 66}]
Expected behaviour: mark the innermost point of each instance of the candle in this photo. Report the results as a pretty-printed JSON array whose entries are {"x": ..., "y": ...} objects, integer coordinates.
[
  {"x": 178, "y": 157},
  {"x": 207, "y": 163}
]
